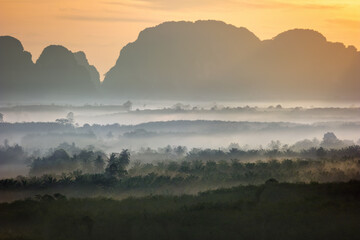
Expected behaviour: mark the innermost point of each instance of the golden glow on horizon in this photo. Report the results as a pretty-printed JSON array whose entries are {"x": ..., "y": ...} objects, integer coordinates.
[{"x": 101, "y": 28}]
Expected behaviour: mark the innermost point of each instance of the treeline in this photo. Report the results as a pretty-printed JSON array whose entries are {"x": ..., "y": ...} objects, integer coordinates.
[
  {"x": 275, "y": 150},
  {"x": 196, "y": 173},
  {"x": 60, "y": 162},
  {"x": 183, "y": 127},
  {"x": 69, "y": 166},
  {"x": 79, "y": 182},
  {"x": 86, "y": 162},
  {"x": 350, "y": 152},
  {"x": 298, "y": 170},
  {"x": 91, "y": 161}
]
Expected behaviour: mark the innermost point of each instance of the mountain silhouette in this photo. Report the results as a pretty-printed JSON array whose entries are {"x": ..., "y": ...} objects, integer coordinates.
[
  {"x": 58, "y": 73},
  {"x": 304, "y": 64},
  {"x": 81, "y": 59},
  {"x": 181, "y": 59},
  {"x": 212, "y": 60},
  {"x": 202, "y": 60},
  {"x": 17, "y": 71}
]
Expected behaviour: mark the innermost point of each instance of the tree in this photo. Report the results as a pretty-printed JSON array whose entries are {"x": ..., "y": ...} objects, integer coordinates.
[
  {"x": 128, "y": 105},
  {"x": 124, "y": 158},
  {"x": 274, "y": 145},
  {"x": 68, "y": 120},
  {"x": 118, "y": 163},
  {"x": 233, "y": 146},
  {"x": 320, "y": 152},
  {"x": 109, "y": 135},
  {"x": 331, "y": 141},
  {"x": 1, "y": 117},
  {"x": 70, "y": 117},
  {"x": 180, "y": 150},
  {"x": 99, "y": 164}
]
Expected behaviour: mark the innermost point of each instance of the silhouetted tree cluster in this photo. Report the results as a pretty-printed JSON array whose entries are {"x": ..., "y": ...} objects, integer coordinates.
[
  {"x": 198, "y": 166},
  {"x": 68, "y": 120},
  {"x": 299, "y": 170},
  {"x": 12, "y": 154},
  {"x": 275, "y": 152},
  {"x": 118, "y": 163},
  {"x": 166, "y": 153},
  {"x": 192, "y": 173},
  {"x": 60, "y": 161}
]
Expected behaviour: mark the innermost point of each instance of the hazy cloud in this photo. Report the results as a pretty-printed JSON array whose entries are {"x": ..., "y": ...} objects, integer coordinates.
[
  {"x": 163, "y": 4},
  {"x": 104, "y": 19},
  {"x": 345, "y": 22},
  {"x": 178, "y": 4},
  {"x": 278, "y": 4},
  {"x": 136, "y": 4}
]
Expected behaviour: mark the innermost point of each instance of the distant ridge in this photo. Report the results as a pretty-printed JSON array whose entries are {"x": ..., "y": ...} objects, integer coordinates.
[
  {"x": 212, "y": 60},
  {"x": 58, "y": 73},
  {"x": 202, "y": 60}
]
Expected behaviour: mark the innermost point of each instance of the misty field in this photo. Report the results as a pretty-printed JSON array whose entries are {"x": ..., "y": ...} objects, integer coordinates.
[
  {"x": 179, "y": 179},
  {"x": 273, "y": 193}
]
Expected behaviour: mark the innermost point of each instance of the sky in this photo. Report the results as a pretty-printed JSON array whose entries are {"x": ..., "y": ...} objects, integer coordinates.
[{"x": 101, "y": 28}]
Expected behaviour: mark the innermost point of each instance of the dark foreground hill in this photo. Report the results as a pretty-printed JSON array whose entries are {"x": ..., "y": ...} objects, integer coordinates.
[{"x": 270, "y": 211}]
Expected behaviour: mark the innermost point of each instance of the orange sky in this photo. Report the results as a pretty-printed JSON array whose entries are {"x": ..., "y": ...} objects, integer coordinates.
[{"x": 102, "y": 27}]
